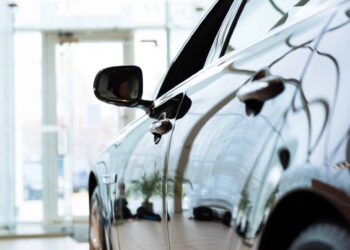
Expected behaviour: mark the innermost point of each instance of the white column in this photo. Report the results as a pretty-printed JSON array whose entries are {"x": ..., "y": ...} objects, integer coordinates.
[
  {"x": 127, "y": 115},
  {"x": 49, "y": 146},
  {"x": 7, "y": 126}
]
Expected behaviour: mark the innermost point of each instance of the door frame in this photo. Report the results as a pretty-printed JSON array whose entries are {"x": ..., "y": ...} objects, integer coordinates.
[{"x": 49, "y": 111}]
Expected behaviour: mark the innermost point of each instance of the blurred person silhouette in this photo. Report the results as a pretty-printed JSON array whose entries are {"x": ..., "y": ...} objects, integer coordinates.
[{"x": 121, "y": 204}]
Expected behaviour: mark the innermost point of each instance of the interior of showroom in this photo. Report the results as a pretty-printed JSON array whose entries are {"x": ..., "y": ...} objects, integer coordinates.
[{"x": 52, "y": 127}]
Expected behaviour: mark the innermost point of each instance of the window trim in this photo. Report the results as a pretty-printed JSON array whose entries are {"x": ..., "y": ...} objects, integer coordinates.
[{"x": 225, "y": 31}]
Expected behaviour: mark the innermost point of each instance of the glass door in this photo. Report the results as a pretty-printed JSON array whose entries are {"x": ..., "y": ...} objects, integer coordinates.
[{"x": 84, "y": 126}]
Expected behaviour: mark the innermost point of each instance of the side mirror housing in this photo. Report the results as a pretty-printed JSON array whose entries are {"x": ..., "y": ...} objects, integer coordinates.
[{"x": 121, "y": 86}]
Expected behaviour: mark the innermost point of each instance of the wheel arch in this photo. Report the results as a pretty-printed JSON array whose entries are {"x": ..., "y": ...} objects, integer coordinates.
[{"x": 296, "y": 211}]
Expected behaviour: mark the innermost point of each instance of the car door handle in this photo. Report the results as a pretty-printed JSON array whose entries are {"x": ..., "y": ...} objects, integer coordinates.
[
  {"x": 161, "y": 127},
  {"x": 255, "y": 93},
  {"x": 261, "y": 90}
]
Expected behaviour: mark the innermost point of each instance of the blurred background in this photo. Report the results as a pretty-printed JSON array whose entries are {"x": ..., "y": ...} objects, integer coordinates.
[{"x": 52, "y": 127}]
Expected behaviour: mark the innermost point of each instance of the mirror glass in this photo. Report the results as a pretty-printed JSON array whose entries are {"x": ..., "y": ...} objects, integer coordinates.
[{"x": 120, "y": 85}]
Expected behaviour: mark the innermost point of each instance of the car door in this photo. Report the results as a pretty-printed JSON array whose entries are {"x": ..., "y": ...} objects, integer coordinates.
[
  {"x": 226, "y": 153},
  {"x": 324, "y": 120},
  {"x": 132, "y": 170},
  {"x": 316, "y": 131},
  {"x": 138, "y": 209}
]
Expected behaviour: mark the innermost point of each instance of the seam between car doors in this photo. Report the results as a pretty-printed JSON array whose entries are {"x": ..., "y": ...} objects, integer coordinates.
[{"x": 165, "y": 169}]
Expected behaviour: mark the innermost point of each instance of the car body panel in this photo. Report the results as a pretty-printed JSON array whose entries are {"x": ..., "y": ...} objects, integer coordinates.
[
  {"x": 217, "y": 140},
  {"x": 128, "y": 159},
  {"x": 221, "y": 157},
  {"x": 327, "y": 92}
]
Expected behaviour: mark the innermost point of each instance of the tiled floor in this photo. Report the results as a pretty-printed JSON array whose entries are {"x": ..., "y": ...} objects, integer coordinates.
[{"x": 65, "y": 243}]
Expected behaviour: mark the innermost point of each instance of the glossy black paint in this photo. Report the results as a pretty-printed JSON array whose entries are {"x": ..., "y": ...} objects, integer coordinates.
[{"x": 222, "y": 178}]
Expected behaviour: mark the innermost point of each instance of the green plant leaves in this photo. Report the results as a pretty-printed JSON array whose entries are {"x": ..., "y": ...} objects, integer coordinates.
[
  {"x": 147, "y": 185},
  {"x": 150, "y": 185}
]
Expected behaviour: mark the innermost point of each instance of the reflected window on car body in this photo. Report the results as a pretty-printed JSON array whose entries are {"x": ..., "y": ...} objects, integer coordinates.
[{"x": 260, "y": 17}]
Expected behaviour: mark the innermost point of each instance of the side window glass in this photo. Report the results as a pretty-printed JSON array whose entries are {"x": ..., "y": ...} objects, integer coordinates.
[
  {"x": 192, "y": 57},
  {"x": 261, "y": 16}
]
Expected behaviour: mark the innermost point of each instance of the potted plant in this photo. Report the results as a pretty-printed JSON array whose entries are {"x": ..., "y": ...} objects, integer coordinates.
[
  {"x": 150, "y": 185},
  {"x": 147, "y": 186}
]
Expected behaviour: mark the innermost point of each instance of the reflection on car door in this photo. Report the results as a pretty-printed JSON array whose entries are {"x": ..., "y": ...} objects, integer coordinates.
[
  {"x": 321, "y": 135},
  {"x": 226, "y": 154},
  {"x": 138, "y": 159}
]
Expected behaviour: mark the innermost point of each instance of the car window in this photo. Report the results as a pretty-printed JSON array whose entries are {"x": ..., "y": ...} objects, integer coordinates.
[
  {"x": 259, "y": 17},
  {"x": 192, "y": 57}
]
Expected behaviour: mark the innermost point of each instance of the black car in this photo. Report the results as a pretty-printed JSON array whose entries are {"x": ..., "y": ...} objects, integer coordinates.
[{"x": 247, "y": 143}]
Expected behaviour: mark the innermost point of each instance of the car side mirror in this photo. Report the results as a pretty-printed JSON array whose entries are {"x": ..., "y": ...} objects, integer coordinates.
[{"x": 121, "y": 86}]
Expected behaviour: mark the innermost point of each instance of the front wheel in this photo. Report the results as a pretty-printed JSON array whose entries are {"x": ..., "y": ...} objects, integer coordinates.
[
  {"x": 323, "y": 236},
  {"x": 96, "y": 230}
]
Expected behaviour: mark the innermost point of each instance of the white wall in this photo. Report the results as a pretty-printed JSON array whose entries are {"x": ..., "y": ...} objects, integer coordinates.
[
  {"x": 108, "y": 14},
  {"x": 7, "y": 147}
]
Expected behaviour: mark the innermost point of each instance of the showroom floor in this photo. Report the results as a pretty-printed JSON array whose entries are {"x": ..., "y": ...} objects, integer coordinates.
[{"x": 43, "y": 244}]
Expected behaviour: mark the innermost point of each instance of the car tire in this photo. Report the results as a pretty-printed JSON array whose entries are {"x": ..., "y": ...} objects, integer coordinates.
[
  {"x": 97, "y": 237},
  {"x": 323, "y": 236}
]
